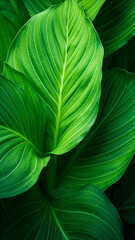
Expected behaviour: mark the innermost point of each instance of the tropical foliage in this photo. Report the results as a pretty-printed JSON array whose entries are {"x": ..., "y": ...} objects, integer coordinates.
[{"x": 67, "y": 119}]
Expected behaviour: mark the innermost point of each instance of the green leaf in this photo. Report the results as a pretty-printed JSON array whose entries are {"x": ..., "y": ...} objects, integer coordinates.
[
  {"x": 7, "y": 33},
  {"x": 115, "y": 24},
  {"x": 22, "y": 129},
  {"x": 81, "y": 214},
  {"x": 103, "y": 156},
  {"x": 124, "y": 194},
  {"x": 12, "y": 16},
  {"x": 90, "y": 8},
  {"x": 15, "y": 11},
  {"x": 61, "y": 54}
]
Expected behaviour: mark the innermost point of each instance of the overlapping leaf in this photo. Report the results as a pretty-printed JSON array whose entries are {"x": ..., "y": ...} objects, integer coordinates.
[
  {"x": 91, "y": 8},
  {"x": 60, "y": 53},
  {"x": 115, "y": 24},
  {"x": 82, "y": 213},
  {"x": 22, "y": 129},
  {"x": 103, "y": 156}
]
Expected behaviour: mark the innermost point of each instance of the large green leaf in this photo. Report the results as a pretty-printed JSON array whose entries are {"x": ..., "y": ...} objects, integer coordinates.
[
  {"x": 91, "y": 8},
  {"x": 115, "y": 24},
  {"x": 80, "y": 214},
  {"x": 103, "y": 156},
  {"x": 22, "y": 129},
  {"x": 61, "y": 54}
]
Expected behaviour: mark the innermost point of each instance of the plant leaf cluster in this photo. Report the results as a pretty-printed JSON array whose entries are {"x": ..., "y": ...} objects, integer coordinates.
[{"x": 67, "y": 120}]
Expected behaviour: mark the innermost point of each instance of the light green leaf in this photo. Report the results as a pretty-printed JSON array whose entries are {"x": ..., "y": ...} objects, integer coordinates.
[
  {"x": 22, "y": 129},
  {"x": 115, "y": 24},
  {"x": 103, "y": 156},
  {"x": 90, "y": 8},
  {"x": 80, "y": 214},
  {"x": 61, "y": 54}
]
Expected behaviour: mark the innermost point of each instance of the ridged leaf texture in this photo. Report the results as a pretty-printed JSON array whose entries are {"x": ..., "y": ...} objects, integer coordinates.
[
  {"x": 105, "y": 153},
  {"x": 91, "y": 8},
  {"x": 22, "y": 128},
  {"x": 65, "y": 71},
  {"x": 115, "y": 24},
  {"x": 80, "y": 214}
]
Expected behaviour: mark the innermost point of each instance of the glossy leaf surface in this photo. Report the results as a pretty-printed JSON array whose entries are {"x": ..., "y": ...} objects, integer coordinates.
[
  {"x": 104, "y": 155},
  {"x": 115, "y": 24},
  {"x": 22, "y": 128},
  {"x": 84, "y": 214},
  {"x": 65, "y": 71}
]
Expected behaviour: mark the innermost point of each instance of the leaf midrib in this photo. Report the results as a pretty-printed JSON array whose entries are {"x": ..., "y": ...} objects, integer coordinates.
[
  {"x": 61, "y": 89},
  {"x": 58, "y": 223},
  {"x": 50, "y": 208}
]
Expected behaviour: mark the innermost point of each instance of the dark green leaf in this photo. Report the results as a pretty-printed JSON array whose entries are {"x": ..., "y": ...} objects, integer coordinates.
[
  {"x": 13, "y": 15},
  {"x": 80, "y": 214},
  {"x": 61, "y": 54},
  {"x": 115, "y": 24},
  {"x": 103, "y": 156},
  {"x": 22, "y": 129},
  {"x": 7, "y": 33},
  {"x": 15, "y": 11}
]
